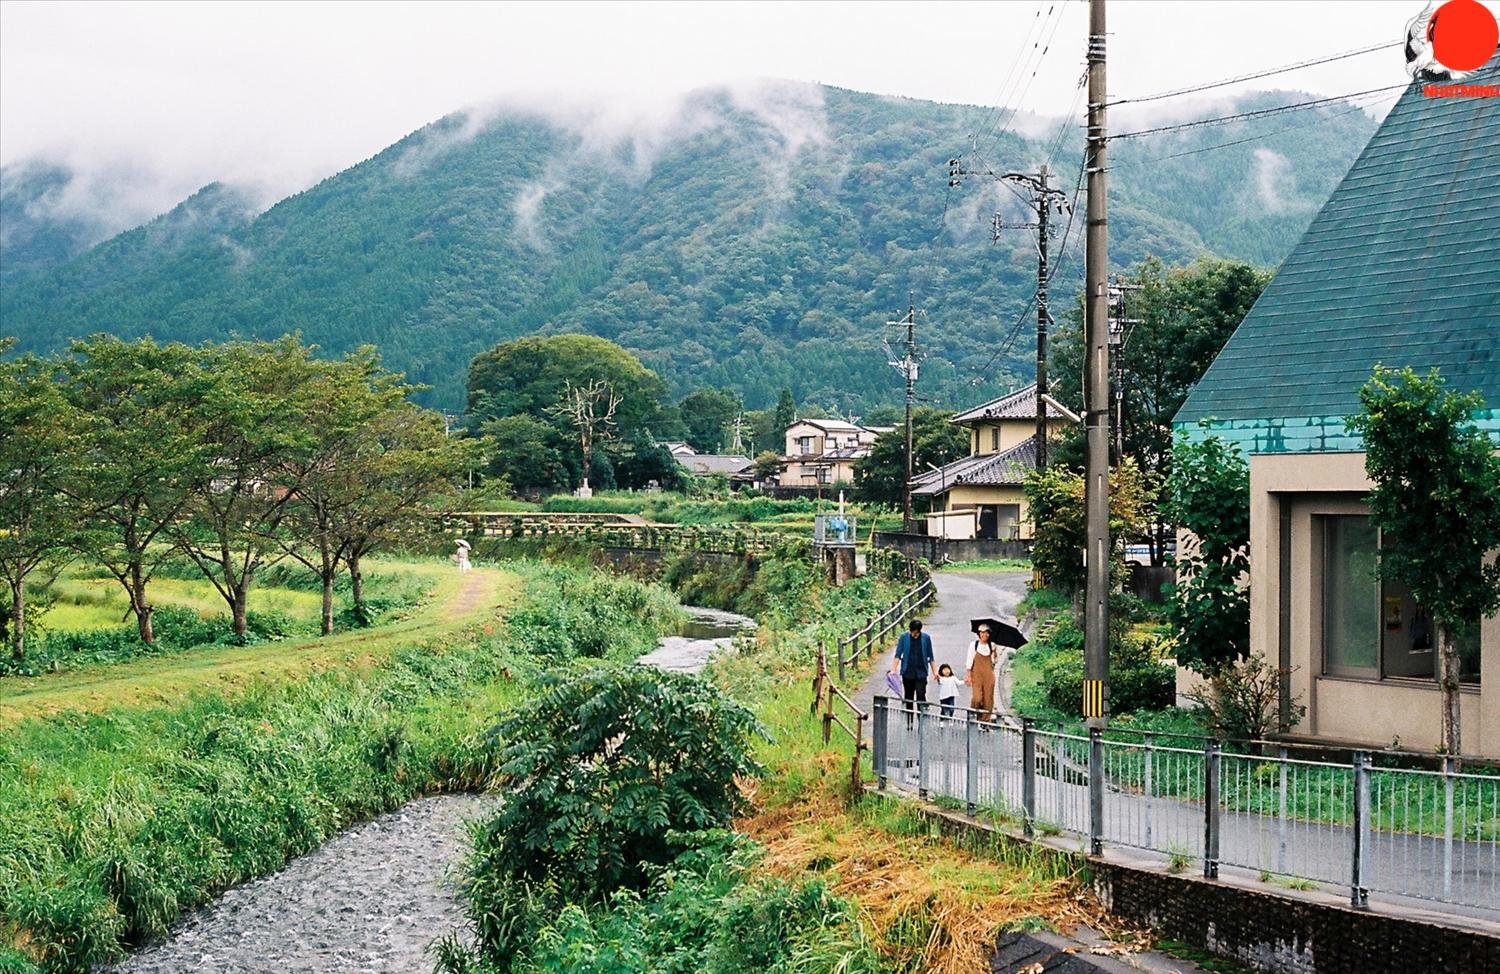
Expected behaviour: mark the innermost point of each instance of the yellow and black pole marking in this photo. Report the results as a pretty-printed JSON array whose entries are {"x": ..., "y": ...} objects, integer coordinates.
[{"x": 1093, "y": 698}]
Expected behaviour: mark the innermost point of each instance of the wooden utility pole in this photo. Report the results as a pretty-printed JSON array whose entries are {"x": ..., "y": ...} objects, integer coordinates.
[{"x": 1096, "y": 391}]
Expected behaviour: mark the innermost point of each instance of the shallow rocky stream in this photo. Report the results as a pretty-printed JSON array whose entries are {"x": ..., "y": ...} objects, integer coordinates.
[{"x": 371, "y": 899}]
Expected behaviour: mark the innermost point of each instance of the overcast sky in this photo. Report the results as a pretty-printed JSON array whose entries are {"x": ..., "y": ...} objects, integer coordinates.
[{"x": 286, "y": 93}]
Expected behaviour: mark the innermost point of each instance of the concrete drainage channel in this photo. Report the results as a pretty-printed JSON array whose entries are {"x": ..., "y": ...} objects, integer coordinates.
[{"x": 374, "y": 897}]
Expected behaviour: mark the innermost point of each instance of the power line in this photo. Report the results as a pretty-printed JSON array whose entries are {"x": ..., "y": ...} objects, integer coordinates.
[
  {"x": 1036, "y": 67},
  {"x": 1250, "y": 138},
  {"x": 1258, "y": 113},
  {"x": 1258, "y": 74}
]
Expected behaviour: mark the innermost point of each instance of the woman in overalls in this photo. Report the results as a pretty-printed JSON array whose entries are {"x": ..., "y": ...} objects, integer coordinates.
[{"x": 980, "y": 671}]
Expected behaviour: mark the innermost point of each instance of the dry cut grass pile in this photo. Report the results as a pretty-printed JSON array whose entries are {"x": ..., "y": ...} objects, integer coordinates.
[{"x": 928, "y": 903}]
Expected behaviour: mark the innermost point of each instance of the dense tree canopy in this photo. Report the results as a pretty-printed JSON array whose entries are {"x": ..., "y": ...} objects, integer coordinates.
[
  {"x": 233, "y": 455},
  {"x": 1182, "y": 316},
  {"x": 879, "y": 477},
  {"x": 707, "y": 415}
]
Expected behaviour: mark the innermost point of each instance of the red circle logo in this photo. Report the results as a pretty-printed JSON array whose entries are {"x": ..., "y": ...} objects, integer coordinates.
[{"x": 1464, "y": 35}]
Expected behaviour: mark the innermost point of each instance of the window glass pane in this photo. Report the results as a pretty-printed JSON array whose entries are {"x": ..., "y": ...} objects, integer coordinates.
[
  {"x": 1468, "y": 653},
  {"x": 1351, "y": 616}
]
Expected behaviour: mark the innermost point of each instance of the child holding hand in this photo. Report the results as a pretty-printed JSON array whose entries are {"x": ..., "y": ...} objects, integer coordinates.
[{"x": 947, "y": 689}]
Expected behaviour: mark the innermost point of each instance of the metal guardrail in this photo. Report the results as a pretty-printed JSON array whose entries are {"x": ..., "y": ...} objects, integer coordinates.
[
  {"x": 1427, "y": 834},
  {"x": 877, "y": 629},
  {"x": 826, "y": 691}
]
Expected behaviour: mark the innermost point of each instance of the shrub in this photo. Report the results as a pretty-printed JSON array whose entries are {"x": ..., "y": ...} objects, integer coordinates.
[
  {"x": 1243, "y": 700},
  {"x": 607, "y": 774},
  {"x": 1138, "y": 679},
  {"x": 704, "y": 913}
]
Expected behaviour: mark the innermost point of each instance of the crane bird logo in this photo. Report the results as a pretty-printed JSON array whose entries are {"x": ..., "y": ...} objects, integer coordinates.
[{"x": 1448, "y": 42}]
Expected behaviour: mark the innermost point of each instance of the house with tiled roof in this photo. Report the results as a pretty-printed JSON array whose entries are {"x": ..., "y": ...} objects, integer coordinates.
[
  {"x": 1401, "y": 268},
  {"x": 822, "y": 452},
  {"x": 980, "y": 496}
]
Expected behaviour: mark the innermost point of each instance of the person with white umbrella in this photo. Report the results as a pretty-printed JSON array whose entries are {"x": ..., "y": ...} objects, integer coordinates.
[{"x": 462, "y": 555}]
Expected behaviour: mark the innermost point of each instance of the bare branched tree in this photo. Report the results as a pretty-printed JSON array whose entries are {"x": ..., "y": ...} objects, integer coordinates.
[{"x": 590, "y": 408}]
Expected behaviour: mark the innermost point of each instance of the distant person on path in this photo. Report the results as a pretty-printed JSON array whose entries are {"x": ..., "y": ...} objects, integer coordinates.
[
  {"x": 947, "y": 689},
  {"x": 462, "y": 555},
  {"x": 915, "y": 663},
  {"x": 981, "y": 668}
]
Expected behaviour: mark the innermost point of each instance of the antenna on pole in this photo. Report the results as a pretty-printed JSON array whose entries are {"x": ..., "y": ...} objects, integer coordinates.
[{"x": 737, "y": 428}]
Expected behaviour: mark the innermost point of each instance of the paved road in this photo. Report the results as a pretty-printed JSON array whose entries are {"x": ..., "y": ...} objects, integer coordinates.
[{"x": 960, "y": 597}]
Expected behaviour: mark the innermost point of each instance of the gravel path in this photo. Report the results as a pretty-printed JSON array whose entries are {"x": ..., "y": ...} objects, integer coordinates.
[{"x": 369, "y": 900}]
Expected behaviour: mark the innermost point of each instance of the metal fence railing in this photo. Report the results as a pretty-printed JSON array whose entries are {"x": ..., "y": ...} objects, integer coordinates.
[{"x": 1432, "y": 834}]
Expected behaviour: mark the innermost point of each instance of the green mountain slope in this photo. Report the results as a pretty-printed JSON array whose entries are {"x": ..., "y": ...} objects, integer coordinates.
[{"x": 762, "y": 239}]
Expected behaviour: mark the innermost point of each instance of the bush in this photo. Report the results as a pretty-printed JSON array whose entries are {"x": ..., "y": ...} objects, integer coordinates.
[
  {"x": 1138, "y": 679},
  {"x": 1243, "y": 700},
  {"x": 608, "y": 775},
  {"x": 705, "y": 913}
]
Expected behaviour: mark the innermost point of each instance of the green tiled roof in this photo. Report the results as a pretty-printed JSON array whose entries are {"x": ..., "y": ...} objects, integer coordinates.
[{"x": 1401, "y": 267}]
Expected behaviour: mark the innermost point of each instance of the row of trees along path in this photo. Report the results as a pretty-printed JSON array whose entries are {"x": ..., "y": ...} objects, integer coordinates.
[{"x": 232, "y": 456}]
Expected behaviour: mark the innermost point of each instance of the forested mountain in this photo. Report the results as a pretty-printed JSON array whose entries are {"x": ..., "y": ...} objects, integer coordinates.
[{"x": 760, "y": 239}]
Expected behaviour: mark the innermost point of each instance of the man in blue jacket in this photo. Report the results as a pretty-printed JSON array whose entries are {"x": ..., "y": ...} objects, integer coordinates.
[{"x": 915, "y": 663}]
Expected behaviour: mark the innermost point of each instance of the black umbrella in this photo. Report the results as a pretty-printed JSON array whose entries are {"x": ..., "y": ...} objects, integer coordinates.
[{"x": 1001, "y": 633}]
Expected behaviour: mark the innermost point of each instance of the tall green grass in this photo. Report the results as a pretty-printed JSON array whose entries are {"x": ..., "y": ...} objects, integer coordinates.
[{"x": 112, "y": 825}]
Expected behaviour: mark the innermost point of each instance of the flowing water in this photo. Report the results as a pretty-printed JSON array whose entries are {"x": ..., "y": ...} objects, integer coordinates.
[
  {"x": 706, "y": 632},
  {"x": 372, "y": 898}
]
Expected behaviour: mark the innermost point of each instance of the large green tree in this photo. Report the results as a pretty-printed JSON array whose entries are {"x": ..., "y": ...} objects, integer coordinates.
[
  {"x": 375, "y": 461},
  {"x": 1055, "y": 507},
  {"x": 142, "y": 406},
  {"x": 565, "y": 382},
  {"x": 707, "y": 415},
  {"x": 879, "y": 478},
  {"x": 1182, "y": 316},
  {"x": 1436, "y": 501},
  {"x": 258, "y": 422},
  {"x": 1209, "y": 497},
  {"x": 40, "y": 449}
]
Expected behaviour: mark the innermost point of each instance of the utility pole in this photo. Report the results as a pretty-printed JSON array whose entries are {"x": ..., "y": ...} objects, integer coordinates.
[
  {"x": 1044, "y": 200},
  {"x": 1096, "y": 390},
  {"x": 1119, "y": 334},
  {"x": 1043, "y": 207},
  {"x": 907, "y": 366}
]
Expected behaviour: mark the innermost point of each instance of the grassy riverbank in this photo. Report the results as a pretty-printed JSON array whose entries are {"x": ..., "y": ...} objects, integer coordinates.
[{"x": 194, "y": 777}]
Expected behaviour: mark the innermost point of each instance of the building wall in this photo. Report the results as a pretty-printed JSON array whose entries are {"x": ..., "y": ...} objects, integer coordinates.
[
  {"x": 1286, "y": 492},
  {"x": 1012, "y": 432},
  {"x": 964, "y": 497}
]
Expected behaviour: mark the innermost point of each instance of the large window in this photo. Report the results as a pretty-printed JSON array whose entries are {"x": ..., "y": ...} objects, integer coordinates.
[
  {"x": 1351, "y": 625},
  {"x": 1372, "y": 627}
]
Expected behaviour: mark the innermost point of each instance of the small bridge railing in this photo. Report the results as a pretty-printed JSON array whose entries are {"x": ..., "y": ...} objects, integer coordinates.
[{"x": 608, "y": 531}]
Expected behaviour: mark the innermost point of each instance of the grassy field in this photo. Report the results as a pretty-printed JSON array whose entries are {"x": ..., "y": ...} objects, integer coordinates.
[
  {"x": 86, "y": 604},
  {"x": 453, "y": 602}
]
